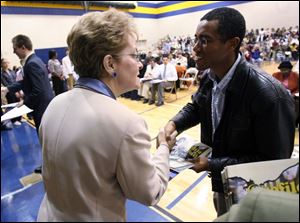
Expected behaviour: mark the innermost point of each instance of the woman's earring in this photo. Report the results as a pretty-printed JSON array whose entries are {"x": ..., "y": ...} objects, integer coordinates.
[{"x": 114, "y": 74}]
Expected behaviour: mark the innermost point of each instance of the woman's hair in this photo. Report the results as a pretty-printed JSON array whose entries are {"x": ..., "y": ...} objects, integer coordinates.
[{"x": 96, "y": 35}]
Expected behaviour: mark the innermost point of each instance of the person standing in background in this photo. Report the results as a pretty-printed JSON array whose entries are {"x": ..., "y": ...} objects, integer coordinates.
[
  {"x": 290, "y": 80},
  {"x": 55, "y": 68},
  {"x": 9, "y": 77},
  {"x": 68, "y": 71},
  {"x": 35, "y": 84}
]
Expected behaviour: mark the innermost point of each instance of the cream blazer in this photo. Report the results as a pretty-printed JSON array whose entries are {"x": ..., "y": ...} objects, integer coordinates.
[{"x": 96, "y": 154}]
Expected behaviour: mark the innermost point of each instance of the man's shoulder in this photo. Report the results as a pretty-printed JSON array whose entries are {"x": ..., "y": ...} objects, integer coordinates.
[
  {"x": 34, "y": 59},
  {"x": 255, "y": 75}
]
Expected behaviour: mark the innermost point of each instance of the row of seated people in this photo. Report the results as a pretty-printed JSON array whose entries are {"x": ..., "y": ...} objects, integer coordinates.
[{"x": 158, "y": 77}]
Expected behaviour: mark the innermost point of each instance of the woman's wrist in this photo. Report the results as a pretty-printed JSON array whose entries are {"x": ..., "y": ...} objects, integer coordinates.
[{"x": 164, "y": 143}]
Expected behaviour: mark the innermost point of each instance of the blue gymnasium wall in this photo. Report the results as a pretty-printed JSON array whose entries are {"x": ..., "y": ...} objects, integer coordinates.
[{"x": 43, "y": 53}]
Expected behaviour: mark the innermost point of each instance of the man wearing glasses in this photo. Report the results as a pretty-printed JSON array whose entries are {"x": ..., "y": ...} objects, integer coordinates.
[{"x": 245, "y": 114}]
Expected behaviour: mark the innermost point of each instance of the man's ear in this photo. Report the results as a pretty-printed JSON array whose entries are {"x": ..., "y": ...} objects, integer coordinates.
[
  {"x": 233, "y": 42},
  {"x": 108, "y": 64}
]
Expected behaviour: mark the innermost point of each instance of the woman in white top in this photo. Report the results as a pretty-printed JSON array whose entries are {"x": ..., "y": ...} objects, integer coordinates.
[{"x": 55, "y": 68}]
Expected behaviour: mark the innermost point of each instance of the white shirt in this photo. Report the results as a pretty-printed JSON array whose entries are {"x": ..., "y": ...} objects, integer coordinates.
[
  {"x": 171, "y": 73},
  {"x": 218, "y": 94},
  {"x": 54, "y": 66},
  {"x": 152, "y": 72},
  {"x": 67, "y": 66},
  {"x": 23, "y": 61},
  {"x": 182, "y": 61}
]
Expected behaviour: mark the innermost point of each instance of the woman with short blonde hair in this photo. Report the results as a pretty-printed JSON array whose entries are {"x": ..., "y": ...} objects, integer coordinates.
[
  {"x": 96, "y": 158},
  {"x": 96, "y": 35}
]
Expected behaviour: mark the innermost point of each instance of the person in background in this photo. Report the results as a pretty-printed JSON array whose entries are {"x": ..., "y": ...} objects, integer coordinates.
[
  {"x": 35, "y": 84},
  {"x": 290, "y": 80},
  {"x": 9, "y": 77},
  {"x": 58, "y": 78},
  {"x": 68, "y": 71},
  {"x": 5, "y": 125},
  {"x": 168, "y": 74},
  {"x": 96, "y": 158},
  {"x": 245, "y": 114},
  {"x": 151, "y": 73}
]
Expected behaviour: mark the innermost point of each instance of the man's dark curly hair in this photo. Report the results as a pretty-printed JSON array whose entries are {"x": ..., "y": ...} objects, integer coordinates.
[{"x": 231, "y": 23}]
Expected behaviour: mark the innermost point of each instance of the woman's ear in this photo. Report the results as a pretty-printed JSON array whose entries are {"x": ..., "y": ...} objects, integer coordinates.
[{"x": 108, "y": 64}]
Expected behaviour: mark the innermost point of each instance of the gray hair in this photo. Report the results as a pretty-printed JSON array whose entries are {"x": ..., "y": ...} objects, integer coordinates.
[{"x": 96, "y": 35}]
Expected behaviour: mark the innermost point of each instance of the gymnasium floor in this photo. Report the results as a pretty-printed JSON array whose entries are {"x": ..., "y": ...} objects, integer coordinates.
[{"x": 188, "y": 197}]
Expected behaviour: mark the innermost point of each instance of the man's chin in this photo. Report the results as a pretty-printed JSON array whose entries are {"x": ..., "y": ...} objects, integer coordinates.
[{"x": 202, "y": 67}]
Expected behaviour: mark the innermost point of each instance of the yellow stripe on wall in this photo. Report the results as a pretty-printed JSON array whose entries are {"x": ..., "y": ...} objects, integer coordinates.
[
  {"x": 39, "y": 5},
  {"x": 182, "y": 5},
  {"x": 143, "y": 10}
]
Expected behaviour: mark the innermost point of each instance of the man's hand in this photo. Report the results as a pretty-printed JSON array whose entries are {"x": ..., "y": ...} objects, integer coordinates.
[
  {"x": 161, "y": 139},
  {"x": 201, "y": 164},
  {"x": 21, "y": 102},
  {"x": 170, "y": 130}
]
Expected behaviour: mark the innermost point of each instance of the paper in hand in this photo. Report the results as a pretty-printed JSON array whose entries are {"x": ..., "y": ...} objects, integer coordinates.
[{"x": 16, "y": 112}]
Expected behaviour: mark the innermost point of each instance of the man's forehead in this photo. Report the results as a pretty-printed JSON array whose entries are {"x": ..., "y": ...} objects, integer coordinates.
[
  {"x": 202, "y": 22},
  {"x": 205, "y": 23}
]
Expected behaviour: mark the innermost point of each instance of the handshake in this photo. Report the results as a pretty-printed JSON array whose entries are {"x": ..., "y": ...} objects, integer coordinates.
[{"x": 167, "y": 136}]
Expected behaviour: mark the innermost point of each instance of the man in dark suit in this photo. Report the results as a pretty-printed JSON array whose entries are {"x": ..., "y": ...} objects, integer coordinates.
[{"x": 35, "y": 84}]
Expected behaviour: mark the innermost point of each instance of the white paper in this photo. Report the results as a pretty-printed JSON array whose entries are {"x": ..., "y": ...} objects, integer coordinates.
[
  {"x": 11, "y": 105},
  {"x": 16, "y": 112},
  {"x": 186, "y": 79},
  {"x": 156, "y": 81},
  {"x": 144, "y": 79}
]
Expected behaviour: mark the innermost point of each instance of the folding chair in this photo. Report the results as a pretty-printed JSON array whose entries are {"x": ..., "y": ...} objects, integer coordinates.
[
  {"x": 170, "y": 91},
  {"x": 186, "y": 79}
]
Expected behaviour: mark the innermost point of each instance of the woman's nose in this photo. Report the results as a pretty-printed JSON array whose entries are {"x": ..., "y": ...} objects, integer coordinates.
[{"x": 140, "y": 65}]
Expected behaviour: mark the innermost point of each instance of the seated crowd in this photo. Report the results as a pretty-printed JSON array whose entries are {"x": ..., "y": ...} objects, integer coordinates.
[{"x": 163, "y": 73}]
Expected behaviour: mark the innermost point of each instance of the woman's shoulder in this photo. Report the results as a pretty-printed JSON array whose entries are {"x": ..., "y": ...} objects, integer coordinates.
[{"x": 123, "y": 110}]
